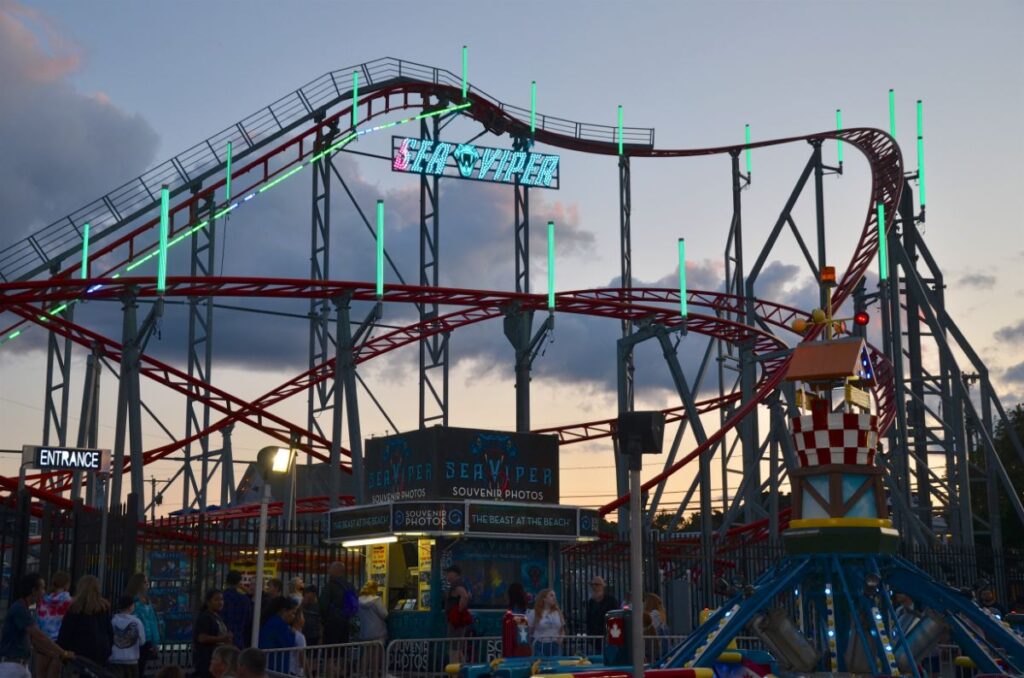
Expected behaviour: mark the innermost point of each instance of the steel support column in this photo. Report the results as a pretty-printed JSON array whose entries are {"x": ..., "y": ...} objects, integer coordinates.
[
  {"x": 433, "y": 377},
  {"x": 200, "y": 351},
  {"x": 321, "y": 340},
  {"x": 624, "y": 356},
  {"x": 129, "y": 401},
  {"x": 345, "y": 396},
  {"x": 58, "y": 381},
  {"x": 88, "y": 421}
]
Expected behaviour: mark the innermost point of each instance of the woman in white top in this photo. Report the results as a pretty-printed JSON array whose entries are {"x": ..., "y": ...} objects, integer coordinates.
[
  {"x": 546, "y": 625},
  {"x": 297, "y": 661}
]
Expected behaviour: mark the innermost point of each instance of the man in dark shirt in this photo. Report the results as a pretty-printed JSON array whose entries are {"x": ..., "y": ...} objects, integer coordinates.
[
  {"x": 598, "y": 605},
  {"x": 313, "y": 628},
  {"x": 20, "y": 631},
  {"x": 334, "y": 616},
  {"x": 274, "y": 590},
  {"x": 237, "y": 612}
]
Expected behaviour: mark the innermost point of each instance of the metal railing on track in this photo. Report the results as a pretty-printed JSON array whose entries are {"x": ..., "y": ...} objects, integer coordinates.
[{"x": 61, "y": 240}]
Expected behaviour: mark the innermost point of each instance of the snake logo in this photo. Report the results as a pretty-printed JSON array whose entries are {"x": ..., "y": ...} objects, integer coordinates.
[
  {"x": 496, "y": 449},
  {"x": 396, "y": 454},
  {"x": 466, "y": 156}
]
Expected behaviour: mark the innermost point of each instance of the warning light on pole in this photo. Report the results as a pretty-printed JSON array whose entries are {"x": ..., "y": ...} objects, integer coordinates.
[
  {"x": 355, "y": 99},
  {"x": 828, "y": 276},
  {"x": 161, "y": 261},
  {"x": 839, "y": 128},
  {"x": 892, "y": 114},
  {"x": 533, "y": 106},
  {"x": 682, "y": 277},
  {"x": 465, "y": 87},
  {"x": 380, "y": 249},
  {"x": 883, "y": 246},
  {"x": 620, "y": 130},
  {"x": 85, "y": 250},
  {"x": 861, "y": 319},
  {"x": 227, "y": 177},
  {"x": 551, "y": 265},
  {"x": 920, "y": 153},
  {"x": 746, "y": 134}
]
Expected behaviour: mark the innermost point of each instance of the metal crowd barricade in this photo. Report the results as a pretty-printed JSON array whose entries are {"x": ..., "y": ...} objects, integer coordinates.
[
  {"x": 358, "y": 660},
  {"x": 427, "y": 657}
]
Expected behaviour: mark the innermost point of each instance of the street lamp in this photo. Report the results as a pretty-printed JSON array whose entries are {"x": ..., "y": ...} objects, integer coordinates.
[
  {"x": 269, "y": 460},
  {"x": 637, "y": 434}
]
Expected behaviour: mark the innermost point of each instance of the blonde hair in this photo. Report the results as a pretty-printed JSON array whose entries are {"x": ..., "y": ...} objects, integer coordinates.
[
  {"x": 652, "y": 601},
  {"x": 87, "y": 597},
  {"x": 539, "y": 608}
]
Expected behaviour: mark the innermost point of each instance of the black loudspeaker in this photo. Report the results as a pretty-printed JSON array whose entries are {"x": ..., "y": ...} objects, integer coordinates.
[{"x": 640, "y": 432}]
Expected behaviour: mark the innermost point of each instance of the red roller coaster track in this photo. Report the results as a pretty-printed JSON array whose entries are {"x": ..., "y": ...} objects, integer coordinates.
[{"x": 879, "y": 148}]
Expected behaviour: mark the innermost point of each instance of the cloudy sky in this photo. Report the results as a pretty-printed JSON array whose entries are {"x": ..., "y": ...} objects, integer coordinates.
[{"x": 96, "y": 93}]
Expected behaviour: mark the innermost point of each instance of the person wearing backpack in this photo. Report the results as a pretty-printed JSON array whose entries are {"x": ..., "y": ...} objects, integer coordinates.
[
  {"x": 338, "y": 605},
  {"x": 129, "y": 637}
]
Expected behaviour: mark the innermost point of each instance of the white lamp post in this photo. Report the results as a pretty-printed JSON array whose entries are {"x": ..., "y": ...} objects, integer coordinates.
[{"x": 269, "y": 460}]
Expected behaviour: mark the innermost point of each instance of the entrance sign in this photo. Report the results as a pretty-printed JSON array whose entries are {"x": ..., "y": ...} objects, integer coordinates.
[
  {"x": 444, "y": 463},
  {"x": 469, "y": 161},
  {"x": 47, "y": 458}
]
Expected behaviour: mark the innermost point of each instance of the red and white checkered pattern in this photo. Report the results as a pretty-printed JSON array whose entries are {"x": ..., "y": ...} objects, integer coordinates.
[{"x": 835, "y": 438}]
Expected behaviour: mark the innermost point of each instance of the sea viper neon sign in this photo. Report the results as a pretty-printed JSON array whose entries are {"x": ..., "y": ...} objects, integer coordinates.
[{"x": 469, "y": 161}]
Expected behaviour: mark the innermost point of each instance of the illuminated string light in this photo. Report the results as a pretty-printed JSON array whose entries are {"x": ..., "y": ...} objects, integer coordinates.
[
  {"x": 839, "y": 128},
  {"x": 85, "y": 250},
  {"x": 682, "y": 277},
  {"x": 551, "y": 265},
  {"x": 228, "y": 208}
]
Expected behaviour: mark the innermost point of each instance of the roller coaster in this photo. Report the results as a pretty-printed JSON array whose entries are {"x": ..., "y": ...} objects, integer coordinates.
[{"x": 938, "y": 417}]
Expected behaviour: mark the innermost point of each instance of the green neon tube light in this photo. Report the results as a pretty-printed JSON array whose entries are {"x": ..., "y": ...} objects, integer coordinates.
[
  {"x": 85, "y": 250},
  {"x": 533, "y": 106},
  {"x": 230, "y": 207},
  {"x": 355, "y": 98},
  {"x": 682, "y": 277},
  {"x": 465, "y": 86},
  {"x": 161, "y": 262},
  {"x": 920, "y": 153},
  {"x": 380, "y": 248},
  {"x": 551, "y": 265},
  {"x": 839, "y": 128},
  {"x": 883, "y": 246},
  {"x": 227, "y": 176},
  {"x": 746, "y": 135},
  {"x": 620, "y": 130},
  {"x": 892, "y": 113}
]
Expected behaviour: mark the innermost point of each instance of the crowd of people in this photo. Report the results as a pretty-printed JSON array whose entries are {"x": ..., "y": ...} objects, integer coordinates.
[
  {"x": 46, "y": 629},
  {"x": 546, "y": 624}
]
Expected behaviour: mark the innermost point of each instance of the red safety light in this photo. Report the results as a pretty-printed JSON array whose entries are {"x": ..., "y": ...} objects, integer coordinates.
[{"x": 861, "y": 319}]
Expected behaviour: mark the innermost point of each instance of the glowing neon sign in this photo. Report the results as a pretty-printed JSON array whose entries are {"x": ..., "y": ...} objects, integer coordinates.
[{"x": 479, "y": 163}]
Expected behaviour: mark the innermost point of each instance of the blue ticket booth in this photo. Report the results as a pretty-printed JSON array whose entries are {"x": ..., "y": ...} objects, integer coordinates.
[{"x": 486, "y": 501}]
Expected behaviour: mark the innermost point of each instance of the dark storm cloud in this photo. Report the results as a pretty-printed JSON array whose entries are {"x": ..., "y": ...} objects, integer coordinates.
[
  {"x": 1015, "y": 374},
  {"x": 980, "y": 281},
  {"x": 59, "y": 148},
  {"x": 1012, "y": 334}
]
